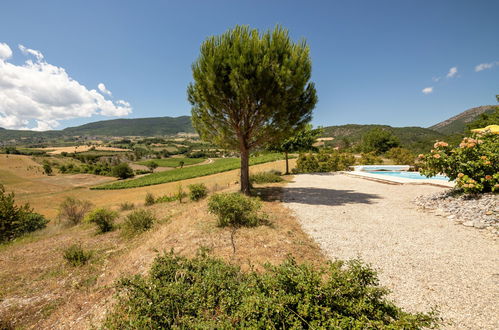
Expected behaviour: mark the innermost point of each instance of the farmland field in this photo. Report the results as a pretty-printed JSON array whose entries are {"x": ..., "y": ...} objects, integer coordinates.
[
  {"x": 219, "y": 165},
  {"x": 173, "y": 162}
]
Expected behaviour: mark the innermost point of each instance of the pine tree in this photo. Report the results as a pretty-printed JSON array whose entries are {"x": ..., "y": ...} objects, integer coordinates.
[{"x": 251, "y": 90}]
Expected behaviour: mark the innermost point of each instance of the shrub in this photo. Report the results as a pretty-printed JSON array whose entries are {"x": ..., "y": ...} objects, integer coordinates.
[
  {"x": 149, "y": 200},
  {"x": 379, "y": 140},
  {"x": 209, "y": 293},
  {"x": 166, "y": 199},
  {"x": 72, "y": 210},
  {"x": 265, "y": 177},
  {"x": 76, "y": 256},
  {"x": 122, "y": 171},
  {"x": 16, "y": 220},
  {"x": 103, "y": 218},
  {"x": 401, "y": 156},
  {"x": 370, "y": 158},
  {"x": 474, "y": 164},
  {"x": 47, "y": 169},
  {"x": 180, "y": 193},
  {"x": 197, "y": 191},
  {"x": 235, "y": 209},
  {"x": 126, "y": 206},
  {"x": 324, "y": 161},
  {"x": 138, "y": 221},
  {"x": 151, "y": 165}
]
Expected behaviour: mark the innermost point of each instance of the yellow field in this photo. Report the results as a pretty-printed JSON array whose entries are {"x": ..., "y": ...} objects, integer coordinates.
[
  {"x": 45, "y": 193},
  {"x": 76, "y": 149}
]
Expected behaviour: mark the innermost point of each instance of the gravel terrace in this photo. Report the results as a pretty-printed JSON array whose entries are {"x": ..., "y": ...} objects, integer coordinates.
[{"x": 424, "y": 259}]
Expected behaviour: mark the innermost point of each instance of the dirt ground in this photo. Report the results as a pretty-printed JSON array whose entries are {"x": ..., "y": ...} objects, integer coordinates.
[{"x": 39, "y": 290}]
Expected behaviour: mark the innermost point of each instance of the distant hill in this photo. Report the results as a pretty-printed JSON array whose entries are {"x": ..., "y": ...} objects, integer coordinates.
[
  {"x": 116, "y": 127},
  {"x": 417, "y": 139},
  {"x": 457, "y": 124},
  {"x": 134, "y": 127}
]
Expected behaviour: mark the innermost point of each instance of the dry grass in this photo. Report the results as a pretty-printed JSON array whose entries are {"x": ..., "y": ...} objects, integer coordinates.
[
  {"x": 82, "y": 148},
  {"x": 39, "y": 290}
]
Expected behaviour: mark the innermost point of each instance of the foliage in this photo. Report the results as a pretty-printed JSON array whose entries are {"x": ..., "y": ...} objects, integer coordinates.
[
  {"x": 266, "y": 177},
  {"x": 47, "y": 169},
  {"x": 208, "y": 293},
  {"x": 126, "y": 206},
  {"x": 379, "y": 141},
  {"x": 235, "y": 209},
  {"x": 197, "y": 191},
  {"x": 151, "y": 165},
  {"x": 370, "y": 158},
  {"x": 72, "y": 210},
  {"x": 103, "y": 218},
  {"x": 302, "y": 141},
  {"x": 250, "y": 90},
  {"x": 174, "y": 162},
  {"x": 324, "y": 161},
  {"x": 17, "y": 220},
  {"x": 474, "y": 164},
  {"x": 122, "y": 171},
  {"x": 401, "y": 156},
  {"x": 485, "y": 119},
  {"x": 218, "y": 166},
  {"x": 149, "y": 200},
  {"x": 76, "y": 256},
  {"x": 138, "y": 221}
]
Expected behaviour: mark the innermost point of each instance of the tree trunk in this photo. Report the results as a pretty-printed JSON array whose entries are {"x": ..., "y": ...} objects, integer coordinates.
[
  {"x": 245, "y": 183},
  {"x": 287, "y": 165}
]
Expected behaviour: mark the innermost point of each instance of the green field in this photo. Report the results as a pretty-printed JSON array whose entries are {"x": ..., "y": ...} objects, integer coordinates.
[
  {"x": 173, "y": 162},
  {"x": 219, "y": 165}
]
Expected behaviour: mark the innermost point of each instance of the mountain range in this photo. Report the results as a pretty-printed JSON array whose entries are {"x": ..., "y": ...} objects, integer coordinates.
[{"x": 161, "y": 126}]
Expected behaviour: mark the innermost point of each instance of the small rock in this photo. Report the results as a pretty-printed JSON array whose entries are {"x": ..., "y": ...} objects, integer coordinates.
[
  {"x": 468, "y": 224},
  {"x": 451, "y": 217}
]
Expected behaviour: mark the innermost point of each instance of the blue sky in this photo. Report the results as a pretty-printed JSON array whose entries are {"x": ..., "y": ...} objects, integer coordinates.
[{"x": 371, "y": 59}]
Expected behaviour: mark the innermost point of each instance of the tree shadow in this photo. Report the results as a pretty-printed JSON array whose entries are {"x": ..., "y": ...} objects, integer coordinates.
[{"x": 314, "y": 196}]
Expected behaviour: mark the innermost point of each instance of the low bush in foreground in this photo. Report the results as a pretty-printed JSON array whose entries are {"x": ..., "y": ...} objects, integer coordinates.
[
  {"x": 401, "y": 156},
  {"x": 197, "y": 191},
  {"x": 474, "y": 164},
  {"x": 235, "y": 209},
  {"x": 72, "y": 210},
  {"x": 208, "y": 293},
  {"x": 103, "y": 218},
  {"x": 149, "y": 199},
  {"x": 76, "y": 256},
  {"x": 370, "y": 158},
  {"x": 17, "y": 220},
  {"x": 138, "y": 221},
  {"x": 126, "y": 206},
  {"x": 266, "y": 177}
]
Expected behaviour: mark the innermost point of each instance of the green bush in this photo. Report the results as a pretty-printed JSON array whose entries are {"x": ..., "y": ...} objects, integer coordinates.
[
  {"x": 197, "y": 191},
  {"x": 16, "y": 220},
  {"x": 370, "y": 158},
  {"x": 265, "y": 177},
  {"x": 103, "y": 218},
  {"x": 76, "y": 256},
  {"x": 324, "y": 161},
  {"x": 47, "y": 169},
  {"x": 235, "y": 209},
  {"x": 138, "y": 221},
  {"x": 401, "y": 156},
  {"x": 126, "y": 206},
  {"x": 379, "y": 140},
  {"x": 149, "y": 200},
  {"x": 72, "y": 210},
  {"x": 122, "y": 171},
  {"x": 474, "y": 164},
  {"x": 208, "y": 293}
]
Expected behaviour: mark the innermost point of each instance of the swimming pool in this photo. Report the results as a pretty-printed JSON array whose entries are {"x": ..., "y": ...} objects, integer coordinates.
[{"x": 409, "y": 175}]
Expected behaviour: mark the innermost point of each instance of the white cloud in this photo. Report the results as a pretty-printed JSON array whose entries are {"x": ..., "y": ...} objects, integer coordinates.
[
  {"x": 5, "y": 51},
  {"x": 427, "y": 90},
  {"x": 452, "y": 72},
  {"x": 39, "y": 92},
  {"x": 485, "y": 66},
  {"x": 103, "y": 89}
]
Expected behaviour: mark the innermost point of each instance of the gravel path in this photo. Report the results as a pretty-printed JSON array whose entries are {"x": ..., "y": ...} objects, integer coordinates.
[{"x": 424, "y": 259}]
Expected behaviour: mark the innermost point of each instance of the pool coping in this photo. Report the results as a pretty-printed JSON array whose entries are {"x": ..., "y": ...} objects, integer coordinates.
[{"x": 398, "y": 181}]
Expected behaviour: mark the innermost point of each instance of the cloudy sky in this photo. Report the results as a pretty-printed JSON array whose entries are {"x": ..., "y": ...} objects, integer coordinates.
[{"x": 65, "y": 63}]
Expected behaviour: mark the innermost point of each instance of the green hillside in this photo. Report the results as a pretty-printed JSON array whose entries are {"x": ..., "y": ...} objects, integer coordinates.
[
  {"x": 417, "y": 139},
  {"x": 457, "y": 124}
]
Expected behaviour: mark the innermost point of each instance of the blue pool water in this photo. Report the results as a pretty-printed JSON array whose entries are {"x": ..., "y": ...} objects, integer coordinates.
[{"x": 409, "y": 175}]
